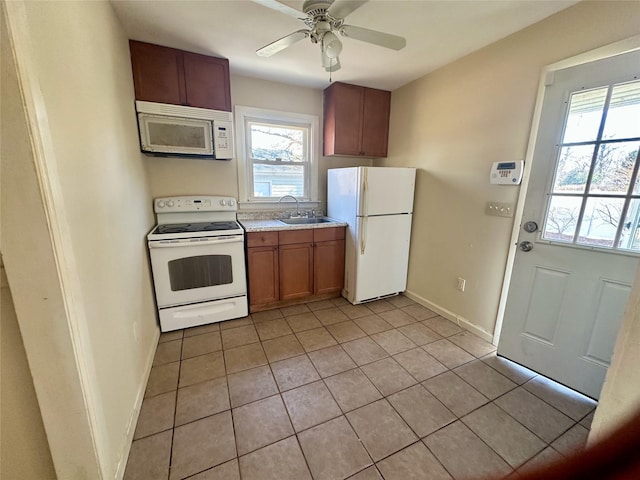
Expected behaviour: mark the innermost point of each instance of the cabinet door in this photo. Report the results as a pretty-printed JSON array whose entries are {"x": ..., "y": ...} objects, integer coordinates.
[
  {"x": 296, "y": 270},
  {"x": 263, "y": 275},
  {"x": 375, "y": 122},
  {"x": 207, "y": 81},
  {"x": 343, "y": 120},
  {"x": 329, "y": 266},
  {"x": 158, "y": 74}
]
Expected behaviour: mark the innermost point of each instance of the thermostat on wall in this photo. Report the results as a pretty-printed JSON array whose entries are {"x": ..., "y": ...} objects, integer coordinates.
[{"x": 506, "y": 173}]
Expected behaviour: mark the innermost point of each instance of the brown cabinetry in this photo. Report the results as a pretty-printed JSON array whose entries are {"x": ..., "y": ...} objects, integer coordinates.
[
  {"x": 167, "y": 75},
  {"x": 291, "y": 266},
  {"x": 262, "y": 265},
  {"x": 356, "y": 120},
  {"x": 328, "y": 260}
]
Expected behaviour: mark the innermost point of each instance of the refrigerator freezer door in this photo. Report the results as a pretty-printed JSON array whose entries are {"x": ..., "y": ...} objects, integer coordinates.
[
  {"x": 381, "y": 257},
  {"x": 386, "y": 190}
]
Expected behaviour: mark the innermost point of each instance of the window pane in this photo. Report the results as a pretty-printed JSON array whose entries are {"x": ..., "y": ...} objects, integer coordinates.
[
  {"x": 623, "y": 117},
  {"x": 562, "y": 217},
  {"x": 272, "y": 142},
  {"x": 630, "y": 235},
  {"x": 281, "y": 179},
  {"x": 600, "y": 221},
  {"x": 573, "y": 169},
  {"x": 585, "y": 115},
  {"x": 614, "y": 167}
]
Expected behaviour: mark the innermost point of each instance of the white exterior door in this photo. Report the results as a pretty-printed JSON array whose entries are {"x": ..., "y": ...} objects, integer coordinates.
[{"x": 572, "y": 275}]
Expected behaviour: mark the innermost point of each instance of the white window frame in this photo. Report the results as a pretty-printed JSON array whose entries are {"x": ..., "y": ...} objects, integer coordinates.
[
  {"x": 584, "y": 196},
  {"x": 242, "y": 116}
]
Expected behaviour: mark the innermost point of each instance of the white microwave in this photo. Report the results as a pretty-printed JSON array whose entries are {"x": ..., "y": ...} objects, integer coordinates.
[{"x": 184, "y": 131}]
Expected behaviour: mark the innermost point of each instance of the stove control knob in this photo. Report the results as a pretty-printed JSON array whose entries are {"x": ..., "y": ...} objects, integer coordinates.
[
  {"x": 170, "y": 203},
  {"x": 223, "y": 202},
  {"x": 231, "y": 203},
  {"x": 160, "y": 204}
]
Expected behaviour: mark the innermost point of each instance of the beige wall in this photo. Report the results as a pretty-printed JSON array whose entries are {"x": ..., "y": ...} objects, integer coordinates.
[
  {"x": 184, "y": 176},
  {"x": 96, "y": 200},
  {"x": 453, "y": 123},
  {"x": 24, "y": 452}
]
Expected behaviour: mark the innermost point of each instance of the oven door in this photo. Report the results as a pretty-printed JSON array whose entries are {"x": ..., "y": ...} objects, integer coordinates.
[{"x": 198, "y": 269}]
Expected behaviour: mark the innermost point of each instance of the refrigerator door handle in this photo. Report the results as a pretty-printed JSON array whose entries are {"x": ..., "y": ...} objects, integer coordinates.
[
  {"x": 365, "y": 192},
  {"x": 363, "y": 235}
]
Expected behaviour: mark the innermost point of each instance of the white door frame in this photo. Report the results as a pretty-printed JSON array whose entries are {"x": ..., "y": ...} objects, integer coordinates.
[{"x": 546, "y": 78}]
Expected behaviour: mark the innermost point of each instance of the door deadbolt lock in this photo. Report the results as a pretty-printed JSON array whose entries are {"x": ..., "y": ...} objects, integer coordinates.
[
  {"x": 530, "y": 227},
  {"x": 526, "y": 246}
]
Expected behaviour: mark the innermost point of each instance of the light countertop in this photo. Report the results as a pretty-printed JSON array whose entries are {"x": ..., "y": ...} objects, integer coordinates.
[{"x": 267, "y": 225}]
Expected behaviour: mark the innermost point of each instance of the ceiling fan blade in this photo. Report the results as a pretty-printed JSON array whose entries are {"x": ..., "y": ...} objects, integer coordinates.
[
  {"x": 342, "y": 8},
  {"x": 282, "y": 43},
  {"x": 381, "y": 39},
  {"x": 281, "y": 7}
]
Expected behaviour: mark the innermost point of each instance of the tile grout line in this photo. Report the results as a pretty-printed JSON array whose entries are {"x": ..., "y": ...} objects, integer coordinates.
[
  {"x": 233, "y": 423},
  {"x": 175, "y": 408},
  {"x": 306, "y": 352}
]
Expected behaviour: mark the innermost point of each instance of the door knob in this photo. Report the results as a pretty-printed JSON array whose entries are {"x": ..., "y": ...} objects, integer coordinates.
[
  {"x": 526, "y": 246},
  {"x": 530, "y": 227}
]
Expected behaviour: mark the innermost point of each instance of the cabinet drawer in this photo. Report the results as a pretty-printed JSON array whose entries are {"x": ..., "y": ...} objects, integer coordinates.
[
  {"x": 262, "y": 239},
  {"x": 328, "y": 234},
  {"x": 287, "y": 237}
]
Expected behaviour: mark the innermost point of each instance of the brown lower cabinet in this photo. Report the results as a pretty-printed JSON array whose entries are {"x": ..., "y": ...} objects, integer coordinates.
[
  {"x": 291, "y": 266},
  {"x": 262, "y": 265}
]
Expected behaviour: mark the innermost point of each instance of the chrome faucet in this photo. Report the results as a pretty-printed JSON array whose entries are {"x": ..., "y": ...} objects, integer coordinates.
[{"x": 297, "y": 203}]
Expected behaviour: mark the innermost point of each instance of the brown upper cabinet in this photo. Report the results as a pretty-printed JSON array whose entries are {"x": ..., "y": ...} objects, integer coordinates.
[
  {"x": 167, "y": 75},
  {"x": 356, "y": 120}
]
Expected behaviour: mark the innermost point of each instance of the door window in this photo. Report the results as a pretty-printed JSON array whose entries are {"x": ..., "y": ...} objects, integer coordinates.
[
  {"x": 200, "y": 271},
  {"x": 595, "y": 194}
]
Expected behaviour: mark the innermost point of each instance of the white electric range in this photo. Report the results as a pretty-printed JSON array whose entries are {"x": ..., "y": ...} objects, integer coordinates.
[{"x": 197, "y": 260}]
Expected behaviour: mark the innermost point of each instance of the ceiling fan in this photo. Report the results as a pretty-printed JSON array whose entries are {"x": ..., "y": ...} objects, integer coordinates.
[{"x": 323, "y": 18}]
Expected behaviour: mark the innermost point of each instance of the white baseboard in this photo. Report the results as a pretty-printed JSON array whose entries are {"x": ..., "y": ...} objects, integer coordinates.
[
  {"x": 449, "y": 315},
  {"x": 133, "y": 420}
]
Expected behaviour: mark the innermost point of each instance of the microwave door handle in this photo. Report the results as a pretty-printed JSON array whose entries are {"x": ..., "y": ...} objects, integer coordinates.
[{"x": 161, "y": 244}]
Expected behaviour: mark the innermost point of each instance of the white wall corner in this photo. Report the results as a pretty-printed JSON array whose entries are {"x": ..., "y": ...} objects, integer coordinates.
[
  {"x": 449, "y": 315},
  {"x": 135, "y": 413}
]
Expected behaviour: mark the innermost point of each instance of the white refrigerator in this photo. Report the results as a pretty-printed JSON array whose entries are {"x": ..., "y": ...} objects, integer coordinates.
[{"x": 377, "y": 203}]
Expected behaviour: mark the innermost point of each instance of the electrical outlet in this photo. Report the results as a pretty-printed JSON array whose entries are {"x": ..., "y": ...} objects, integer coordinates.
[
  {"x": 461, "y": 284},
  {"x": 499, "y": 209}
]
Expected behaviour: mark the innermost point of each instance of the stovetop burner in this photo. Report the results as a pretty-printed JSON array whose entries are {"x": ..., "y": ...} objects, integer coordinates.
[{"x": 196, "y": 227}]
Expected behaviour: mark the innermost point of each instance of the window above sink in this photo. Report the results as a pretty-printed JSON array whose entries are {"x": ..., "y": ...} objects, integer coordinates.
[{"x": 277, "y": 154}]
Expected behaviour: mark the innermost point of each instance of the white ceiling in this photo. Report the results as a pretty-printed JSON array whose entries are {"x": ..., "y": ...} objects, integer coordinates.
[{"x": 437, "y": 32}]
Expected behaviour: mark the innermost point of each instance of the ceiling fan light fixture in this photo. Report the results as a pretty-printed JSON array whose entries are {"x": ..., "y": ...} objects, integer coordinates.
[
  {"x": 324, "y": 19},
  {"x": 332, "y": 45}
]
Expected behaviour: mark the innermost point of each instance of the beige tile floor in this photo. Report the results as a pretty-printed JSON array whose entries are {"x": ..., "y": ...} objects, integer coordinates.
[{"x": 328, "y": 390}]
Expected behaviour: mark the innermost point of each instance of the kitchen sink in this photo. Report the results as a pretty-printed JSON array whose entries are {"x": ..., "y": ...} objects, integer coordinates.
[{"x": 306, "y": 221}]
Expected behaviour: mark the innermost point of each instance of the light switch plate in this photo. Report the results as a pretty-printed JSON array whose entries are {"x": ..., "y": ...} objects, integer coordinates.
[{"x": 499, "y": 209}]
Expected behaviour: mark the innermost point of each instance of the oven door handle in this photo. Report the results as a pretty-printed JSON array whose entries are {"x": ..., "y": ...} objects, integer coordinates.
[{"x": 183, "y": 243}]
